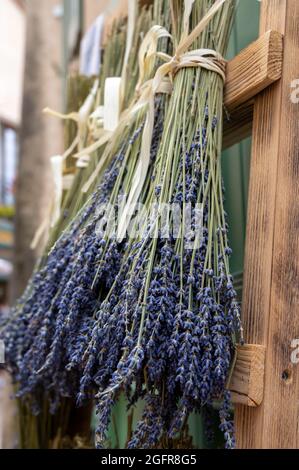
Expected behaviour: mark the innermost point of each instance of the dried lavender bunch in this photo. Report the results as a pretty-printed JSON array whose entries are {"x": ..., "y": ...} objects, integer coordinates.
[{"x": 165, "y": 332}]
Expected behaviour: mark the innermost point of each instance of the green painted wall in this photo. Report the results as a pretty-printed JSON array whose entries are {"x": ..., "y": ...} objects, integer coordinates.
[{"x": 236, "y": 160}]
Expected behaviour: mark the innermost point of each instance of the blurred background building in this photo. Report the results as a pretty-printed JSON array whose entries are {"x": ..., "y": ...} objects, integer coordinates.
[{"x": 12, "y": 46}]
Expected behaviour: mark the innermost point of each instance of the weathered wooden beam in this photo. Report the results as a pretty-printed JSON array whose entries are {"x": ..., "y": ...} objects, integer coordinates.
[
  {"x": 251, "y": 71},
  {"x": 270, "y": 308},
  {"x": 247, "y": 380}
]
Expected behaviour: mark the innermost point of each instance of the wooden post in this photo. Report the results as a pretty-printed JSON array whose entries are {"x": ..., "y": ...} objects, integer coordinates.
[{"x": 271, "y": 286}]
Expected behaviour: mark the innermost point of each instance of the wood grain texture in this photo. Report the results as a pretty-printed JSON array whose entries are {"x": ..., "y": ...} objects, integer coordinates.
[
  {"x": 253, "y": 69},
  {"x": 247, "y": 380},
  {"x": 271, "y": 289}
]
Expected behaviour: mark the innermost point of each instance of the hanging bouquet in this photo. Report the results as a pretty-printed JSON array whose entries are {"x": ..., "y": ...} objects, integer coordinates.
[
  {"x": 148, "y": 309},
  {"x": 165, "y": 331}
]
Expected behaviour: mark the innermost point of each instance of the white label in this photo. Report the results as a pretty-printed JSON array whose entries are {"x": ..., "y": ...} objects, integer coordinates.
[{"x": 112, "y": 103}]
